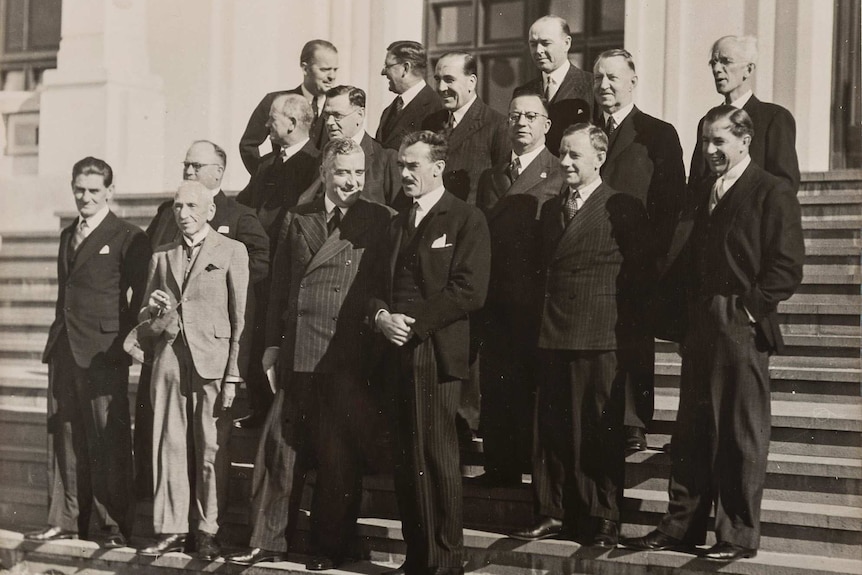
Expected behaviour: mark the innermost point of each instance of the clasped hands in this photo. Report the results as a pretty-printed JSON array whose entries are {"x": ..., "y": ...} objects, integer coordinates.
[{"x": 396, "y": 327}]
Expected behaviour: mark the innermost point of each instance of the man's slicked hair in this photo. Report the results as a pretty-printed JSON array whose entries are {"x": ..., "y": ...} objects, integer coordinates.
[
  {"x": 340, "y": 147},
  {"x": 617, "y": 53},
  {"x": 598, "y": 138},
  {"x": 526, "y": 92},
  {"x": 217, "y": 150},
  {"x": 438, "y": 147},
  {"x": 354, "y": 94},
  {"x": 740, "y": 122},
  {"x": 311, "y": 47},
  {"x": 295, "y": 106},
  {"x": 91, "y": 165},
  {"x": 470, "y": 66},
  {"x": 564, "y": 26},
  {"x": 410, "y": 52}
]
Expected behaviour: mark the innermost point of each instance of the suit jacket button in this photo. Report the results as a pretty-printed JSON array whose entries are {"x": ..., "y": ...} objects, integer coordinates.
[
  {"x": 547, "y": 295},
  {"x": 347, "y": 263},
  {"x": 299, "y": 314},
  {"x": 337, "y": 288},
  {"x": 301, "y": 286}
]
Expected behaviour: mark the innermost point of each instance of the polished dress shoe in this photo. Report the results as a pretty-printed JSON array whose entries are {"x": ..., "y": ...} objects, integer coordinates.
[
  {"x": 546, "y": 527},
  {"x": 207, "y": 547},
  {"x": 168, "y": 543},
  {"x": 607, "y": 534},
  {"x": 635, "y": 439},
  {"x": 724, "y": 551},
  {"x": 321, "y": 563},
  {"x": 255, "y": 555},
  {"x": 653, "y": 541},
  {"x": 400, "y": 570},
  {"x": 250, "y": 421},
  {"x": 51, "y": 534},
  {"x": 114, "y": 541}
]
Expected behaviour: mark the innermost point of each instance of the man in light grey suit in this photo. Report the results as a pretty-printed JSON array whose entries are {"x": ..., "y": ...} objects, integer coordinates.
[{"x": 198, "y": 286}]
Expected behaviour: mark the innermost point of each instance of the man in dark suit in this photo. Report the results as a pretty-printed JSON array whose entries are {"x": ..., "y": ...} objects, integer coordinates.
[
  {"x": 591, "y": 238},
  {"x": 742, "y": 244},
  {"x": 773, "y": 146},
  {"x": 345, "y": 118},
  {"x": 476, "y": 133},
  {"x": 511, "y": 195},
  {"x": 405, "y": 67},
  {"x": 205, "y": 162},
  {"x": 644, "y": 160},
  {"x": 567, "y": 88},
  {"x": 101, "y": 258},
  {"x": 319, "y": 63},
  {"x": 437, "y": 274},
  {"x": 197, "y": 286},
  {"x": 286, "y": 172},
  {"x": 318, "y": 336}
]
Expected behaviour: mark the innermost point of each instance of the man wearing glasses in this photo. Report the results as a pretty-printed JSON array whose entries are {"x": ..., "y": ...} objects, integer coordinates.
[
  {"x": 405, "y": 67},
  {"x": 511, "y": 195},
  {"x": 205, "y": 162},
  {"x": 344, "y": 117}
]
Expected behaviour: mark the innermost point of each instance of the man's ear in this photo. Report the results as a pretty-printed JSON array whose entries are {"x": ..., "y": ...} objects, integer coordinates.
[{"x": 211, "y": 212}]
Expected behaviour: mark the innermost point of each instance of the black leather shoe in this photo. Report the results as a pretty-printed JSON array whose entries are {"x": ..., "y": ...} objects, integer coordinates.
[
  {"x": 401, "y": 570},
  {"x": 546, "y": 527},
  {"x": 635, "y": 439},
  {"x": 251, "y": 421},
  {"x": 50, "y": 534},
  {"x": 607, "y": 534},
  {"x": 114, "y": 541},
  {"x": 255, "y": 555},
  {"x": 169, "y": 543},
  {"x": 207, "y": 546},
  {"x": 493, "y": 480},
  {"x": 321, "y": 563},
  {"x": 728, "y": 552},
  {"x": 653, "y": 541}
]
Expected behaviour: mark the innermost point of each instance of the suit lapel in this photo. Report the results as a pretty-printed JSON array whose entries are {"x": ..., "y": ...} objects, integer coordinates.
[
  {"x": 737, "y": 194},
  {"x": 623, "y": 136},
  {"x": 588, "y": 216},
  {"x": 176, "y": 263},
  {"x": 353, "y": 224},
  {"x": 470, "y": 123},
  {"x": 312, "y": 225},
  {"x": 65, "y": 238},
  {"x": 535, "y": 174},
  {"x": 95, "y": 241}
]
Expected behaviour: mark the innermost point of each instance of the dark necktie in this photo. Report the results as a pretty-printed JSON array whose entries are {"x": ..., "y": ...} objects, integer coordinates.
[
  {"x": 570, "y": 207},
  {"x": 394, "y": 111},
  {"x": 411, "y": 217},
  {"x": 334, "y": 221},
  {"x": 515, "y": 169},
  {"x": 610, "y": 126},
  {"x": 315, "y": 108},
  {"x": 449, "y": 125}
]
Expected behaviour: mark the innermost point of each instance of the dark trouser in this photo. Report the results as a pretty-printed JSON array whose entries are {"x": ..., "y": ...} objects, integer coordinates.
[
  {"x": 327, "y": 421},
  {"x": 92, "y": 444},
  {"x": 639, "y": 366},
  {"x": 578, "y": 459},
  {"x": 143, "y": 435},
  {"x": 721, "y": 441},
  {"x": 508, "y": 390},
  {"x": 257, "y": 386},
  {"x": 427, "y": 462}
]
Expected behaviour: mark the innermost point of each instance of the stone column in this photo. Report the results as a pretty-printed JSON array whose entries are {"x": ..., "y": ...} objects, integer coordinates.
[{"x": 102, "y": 99}]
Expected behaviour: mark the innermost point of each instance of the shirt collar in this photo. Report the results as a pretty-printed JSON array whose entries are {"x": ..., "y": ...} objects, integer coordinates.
[
  {"x": 460, "y": 112},
  {"x": 197, "y": 238},
  {"x": 360, "y": 133},
  {"x": 558, "y": 75},
  {"x": 526, "y": 159},
  {"x": 412, "y": 92},
  {"x": 330, "y": 205},
  {"x": 620, "y": 114},
  {"x": 586, "y": 191},
  {"x": 321, "y": 100},
  {"x": 734, "y": 173},
  {"x": 289, "y": 151},
  {"x": 429, "y": 200},
  {"x": 96, "y": 219},
  {"x": 742, "y": 100}
]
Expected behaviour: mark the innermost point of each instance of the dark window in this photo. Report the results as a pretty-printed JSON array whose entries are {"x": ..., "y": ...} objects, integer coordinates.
[
  {"x": 29, "y": 40},
  {"x": 495, "y": 31},
  {"x": 846, "y": 141}
]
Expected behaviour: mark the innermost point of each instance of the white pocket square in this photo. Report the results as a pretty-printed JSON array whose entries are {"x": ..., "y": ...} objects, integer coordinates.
[
  {"x": 106, "y": 249},
  {"x": 440, "y": 243},
  {"x": 223, "y": 230}
]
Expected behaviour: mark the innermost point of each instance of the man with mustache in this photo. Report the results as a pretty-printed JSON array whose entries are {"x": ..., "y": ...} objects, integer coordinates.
[
  {"x": 319, "y": 63},
  {"x": 740, "y": 241},
  {"x": 405, "y": 67},
  {"x": 644, "y": 160},
  {"x": 773, "y": 145},
  {"x": 567, "y": 88}
]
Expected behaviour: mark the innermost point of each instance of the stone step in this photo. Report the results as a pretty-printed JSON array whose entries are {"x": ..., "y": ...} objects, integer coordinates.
[
  {"x": 808, "y": 368},
  {"x": 487, "y": 553},
  {"x": 802, "y": 344}
]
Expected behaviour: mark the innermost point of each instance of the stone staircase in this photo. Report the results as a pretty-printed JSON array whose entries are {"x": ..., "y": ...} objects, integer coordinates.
[{"x": 812, "y": 509}]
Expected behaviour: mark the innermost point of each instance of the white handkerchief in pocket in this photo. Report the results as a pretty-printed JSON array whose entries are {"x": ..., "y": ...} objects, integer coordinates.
[
  {"x": 106, "y": 249},
  {"x": 223, "y": 230},
  {"x": 440, "y": 243}
]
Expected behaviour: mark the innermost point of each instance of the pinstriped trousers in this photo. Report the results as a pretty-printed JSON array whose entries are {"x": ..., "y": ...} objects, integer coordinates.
[{"x": 427, "y": 461}]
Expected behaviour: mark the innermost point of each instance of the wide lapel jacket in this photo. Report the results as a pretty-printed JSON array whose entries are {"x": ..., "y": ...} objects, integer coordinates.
[
  {"x": 565, "y": 238},
  {"x": 410, "y": 119},
  {"x": 543, "y": 174}
]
